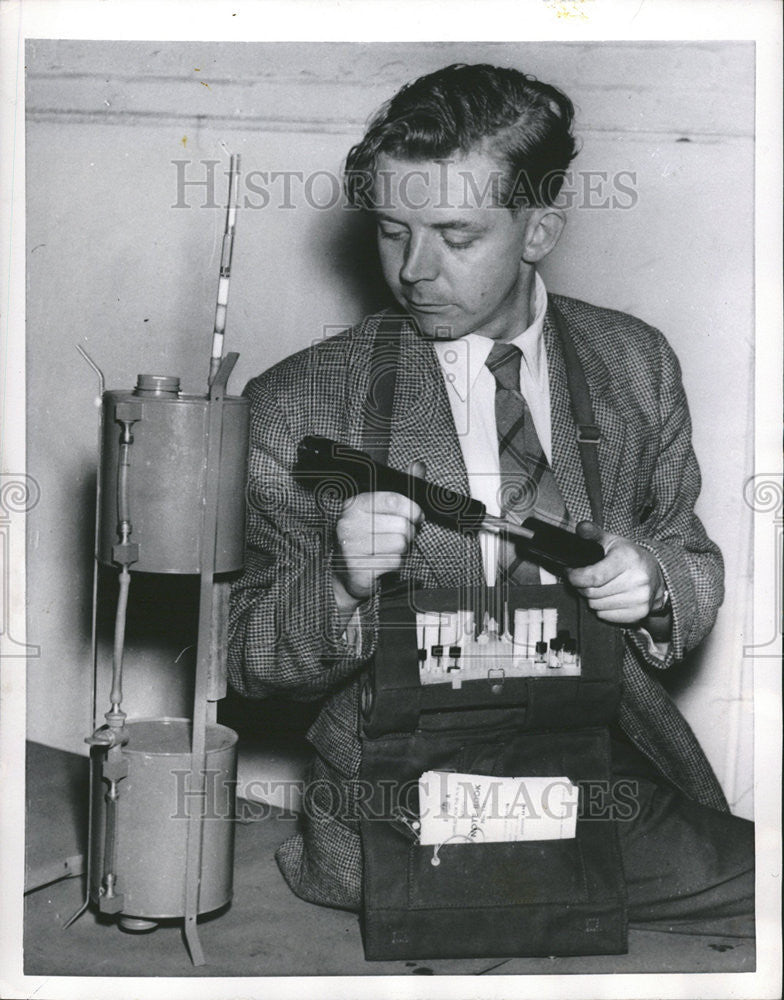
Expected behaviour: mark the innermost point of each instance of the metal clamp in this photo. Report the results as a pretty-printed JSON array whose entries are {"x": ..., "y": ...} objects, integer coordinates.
[
  {"x": 588, "y": 434},
  {"x": 496, "y": 677}
]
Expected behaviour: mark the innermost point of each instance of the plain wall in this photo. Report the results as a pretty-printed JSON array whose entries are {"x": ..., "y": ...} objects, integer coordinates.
[{"x": 117, "y": 266}]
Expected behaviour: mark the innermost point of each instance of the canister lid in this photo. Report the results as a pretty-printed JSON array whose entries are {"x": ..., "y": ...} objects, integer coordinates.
[
  {"x": 157, "y": 385},
  {"x": 163, "y": 736}
]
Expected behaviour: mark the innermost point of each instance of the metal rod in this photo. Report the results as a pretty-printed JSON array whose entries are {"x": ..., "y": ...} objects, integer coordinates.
[
  {"x": 204, "y": 650},
  {"x": 94, "y": 367},
  {"x": 110, "y": 849},
  {"x": 115, "y": 696},
  {"x": 94, "y": 612},
  {"x": 500, "y": 526},
  {"x": 115, "y": 716},
  {"x": 225, "y": 266},
  {"x": 93, "y": 636},
  {"x": 219, "y": 627}
]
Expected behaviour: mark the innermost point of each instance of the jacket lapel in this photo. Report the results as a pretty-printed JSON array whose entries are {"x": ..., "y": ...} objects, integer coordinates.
[
  {"x": 566, "y": 463},
  {"x": 423, "y": 430}
]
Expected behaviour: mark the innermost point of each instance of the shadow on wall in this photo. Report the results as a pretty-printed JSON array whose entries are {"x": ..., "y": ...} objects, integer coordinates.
[
  {"x": 349, "y": 259},
  {"x": 160, "y": 635},
  {"x": 84, "y": 544},
  {"x": 695, "y": 665}
]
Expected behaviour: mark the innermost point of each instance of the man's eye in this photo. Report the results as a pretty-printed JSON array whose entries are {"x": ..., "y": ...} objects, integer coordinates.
[
  {"x": 458, "y": 244},
  {"x": 391, "y": 234}
]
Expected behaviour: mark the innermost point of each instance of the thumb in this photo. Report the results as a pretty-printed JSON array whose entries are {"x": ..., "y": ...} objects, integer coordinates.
[
  {"x": 588, "y": 529},
  {"x": 417, "y": 470}
]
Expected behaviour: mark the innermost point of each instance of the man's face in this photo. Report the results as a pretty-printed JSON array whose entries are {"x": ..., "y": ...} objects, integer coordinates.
[{"x": 451, "y": 255}]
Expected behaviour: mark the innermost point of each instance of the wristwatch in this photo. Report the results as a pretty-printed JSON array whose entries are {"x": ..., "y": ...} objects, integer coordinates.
[{"x": 664, "y": 609}]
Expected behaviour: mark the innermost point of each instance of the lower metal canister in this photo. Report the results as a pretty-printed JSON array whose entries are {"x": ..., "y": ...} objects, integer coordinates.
[{"x": 155, "y": 801}]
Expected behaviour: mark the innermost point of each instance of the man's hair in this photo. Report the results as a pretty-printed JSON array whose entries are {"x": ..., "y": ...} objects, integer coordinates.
[{"x": 525, "y": 125}]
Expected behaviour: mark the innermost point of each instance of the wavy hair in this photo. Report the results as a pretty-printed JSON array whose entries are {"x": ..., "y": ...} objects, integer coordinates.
[{"x": 525, "y": 125}]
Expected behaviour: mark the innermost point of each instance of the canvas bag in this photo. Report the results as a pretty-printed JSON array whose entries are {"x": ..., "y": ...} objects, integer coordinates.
[{"x": 505, "y": 899}]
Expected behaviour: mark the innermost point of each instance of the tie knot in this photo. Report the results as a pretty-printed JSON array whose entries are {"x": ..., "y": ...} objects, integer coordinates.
[{"x": 504, "y": 362}]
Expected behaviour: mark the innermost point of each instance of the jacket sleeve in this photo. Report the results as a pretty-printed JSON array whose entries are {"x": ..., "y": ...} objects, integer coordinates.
[
  {"x": 284, "y": 634},
  {"x": 691, "y": 563}
]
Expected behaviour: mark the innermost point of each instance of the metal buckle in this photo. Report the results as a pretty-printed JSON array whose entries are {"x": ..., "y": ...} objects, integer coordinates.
[
  {"x": 588, "y": 434},
  {"x": 496, "y": 676}
]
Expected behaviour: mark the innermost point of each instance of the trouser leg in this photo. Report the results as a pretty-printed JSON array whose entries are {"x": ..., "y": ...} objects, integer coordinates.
[{"x": 688, "y": 868}]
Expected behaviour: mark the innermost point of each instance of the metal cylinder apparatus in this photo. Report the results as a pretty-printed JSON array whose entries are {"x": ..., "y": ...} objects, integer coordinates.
[
  {"x": 153, "y": 813},
  {"x": 166, "y": 483},
  {"x": 171, "y": 492},
  {"x": 170, "y": 498}
]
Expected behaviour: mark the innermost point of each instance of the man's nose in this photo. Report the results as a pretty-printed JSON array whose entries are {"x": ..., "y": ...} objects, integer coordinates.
[{"x": 420, "y": 260}]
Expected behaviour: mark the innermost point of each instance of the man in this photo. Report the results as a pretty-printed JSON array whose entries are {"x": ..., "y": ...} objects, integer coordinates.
[{"x": 461, "y": 170}]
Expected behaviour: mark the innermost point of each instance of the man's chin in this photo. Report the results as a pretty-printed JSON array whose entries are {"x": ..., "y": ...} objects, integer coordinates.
[{"x": 436, "y": 327}]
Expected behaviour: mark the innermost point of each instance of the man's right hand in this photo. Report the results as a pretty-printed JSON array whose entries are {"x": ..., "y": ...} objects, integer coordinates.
[{"x": 372, "y": 536}]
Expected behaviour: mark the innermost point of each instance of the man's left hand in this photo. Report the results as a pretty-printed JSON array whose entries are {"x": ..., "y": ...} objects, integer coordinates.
[{"x": 625, "y": 586}]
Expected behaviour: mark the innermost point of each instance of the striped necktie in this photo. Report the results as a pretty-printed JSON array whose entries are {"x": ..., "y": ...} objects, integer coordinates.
[{"x": 528, "y": 486}]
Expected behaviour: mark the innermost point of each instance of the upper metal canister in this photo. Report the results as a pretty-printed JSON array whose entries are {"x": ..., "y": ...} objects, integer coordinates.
[{"x": 167, "y": 476}]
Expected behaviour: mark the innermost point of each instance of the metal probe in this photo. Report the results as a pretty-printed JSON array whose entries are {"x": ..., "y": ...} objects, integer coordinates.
[{"x": 500, "y": 526}]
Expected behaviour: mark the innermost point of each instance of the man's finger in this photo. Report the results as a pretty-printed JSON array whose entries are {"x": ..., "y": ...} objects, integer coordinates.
[
  {"x": 637, "y": 598},
  {"x": 623, "y": 616},
  {"x": 624, "y": 583},
  {"x": 598, "y": 575},
  {"x": 591, "y": 530},
  {"x": 386, "y": 502},
  {"x": 419, "y": 470},
  {"x": 355, "y": 533}
]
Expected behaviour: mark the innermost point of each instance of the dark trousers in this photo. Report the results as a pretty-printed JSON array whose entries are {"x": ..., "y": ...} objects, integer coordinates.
[{"x": 688, "y": 867}]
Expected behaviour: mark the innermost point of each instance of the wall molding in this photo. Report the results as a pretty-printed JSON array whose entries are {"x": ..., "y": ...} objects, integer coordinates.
[
  {"x": 694, "y": 90},
  {"x": 325, "y": 126}
]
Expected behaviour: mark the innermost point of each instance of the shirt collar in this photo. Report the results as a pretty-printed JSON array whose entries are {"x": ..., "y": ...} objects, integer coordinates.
[{"x": 462, "y": 360}]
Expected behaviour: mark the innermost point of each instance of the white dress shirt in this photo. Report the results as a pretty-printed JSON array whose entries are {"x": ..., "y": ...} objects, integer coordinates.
[{"x": 471, "y": 390}]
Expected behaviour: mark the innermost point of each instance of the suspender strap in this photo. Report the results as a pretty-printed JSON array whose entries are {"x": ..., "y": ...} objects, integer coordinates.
[{"x": 588, "y": 432}]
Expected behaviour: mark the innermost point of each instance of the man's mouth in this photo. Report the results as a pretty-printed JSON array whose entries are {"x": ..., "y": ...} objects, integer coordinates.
[{"x": 426, "y": 306}]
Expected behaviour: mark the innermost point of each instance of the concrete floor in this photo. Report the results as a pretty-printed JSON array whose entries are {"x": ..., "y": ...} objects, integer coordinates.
[{"x": 266, "y": 931}]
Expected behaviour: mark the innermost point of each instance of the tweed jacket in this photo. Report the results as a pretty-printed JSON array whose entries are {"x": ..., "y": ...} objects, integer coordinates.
[{"x": 284, "y": 632}]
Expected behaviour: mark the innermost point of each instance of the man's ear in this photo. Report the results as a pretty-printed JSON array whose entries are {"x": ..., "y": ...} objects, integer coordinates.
[{"x": 543, "y": 228}]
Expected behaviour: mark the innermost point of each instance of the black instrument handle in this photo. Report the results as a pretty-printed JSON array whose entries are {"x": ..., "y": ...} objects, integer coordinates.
[{"x": 323, "y": 464}]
